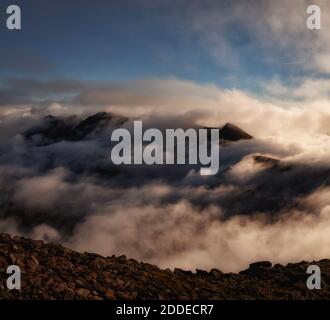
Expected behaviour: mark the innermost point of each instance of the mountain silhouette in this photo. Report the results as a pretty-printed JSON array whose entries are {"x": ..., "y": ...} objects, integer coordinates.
[
  {"x": 54, "y": 129},
  {"x": 230, "y": 132}
]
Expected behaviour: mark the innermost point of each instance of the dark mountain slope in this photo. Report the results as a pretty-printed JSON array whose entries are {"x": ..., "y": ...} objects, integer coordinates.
[
  {"x": 230, "y": 132},
  {"x": 54, "y": 129}
]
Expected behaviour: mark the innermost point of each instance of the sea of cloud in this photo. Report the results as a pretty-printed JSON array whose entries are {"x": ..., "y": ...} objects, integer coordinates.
[{"x": 70, "y": 192}]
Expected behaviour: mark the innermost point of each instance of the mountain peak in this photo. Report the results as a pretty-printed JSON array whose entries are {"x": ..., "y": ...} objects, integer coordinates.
[{"x": 233, "y": 133}]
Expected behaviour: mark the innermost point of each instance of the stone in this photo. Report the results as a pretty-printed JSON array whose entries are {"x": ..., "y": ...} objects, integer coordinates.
[
  {"x": 53, "y": 272},
  {"x": 83, "y": 292},
  {"x": 216, "y": 273},
  {"x": 109, "y": 294}
]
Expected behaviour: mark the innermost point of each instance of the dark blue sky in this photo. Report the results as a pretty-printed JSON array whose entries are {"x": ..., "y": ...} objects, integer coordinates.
[
  {"x": 104, "y": 39},
  {"x": 123, "y": 40}
]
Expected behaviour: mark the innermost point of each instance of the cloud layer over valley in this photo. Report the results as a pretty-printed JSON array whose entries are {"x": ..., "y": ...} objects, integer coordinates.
[{"x": 64, "y": 188}]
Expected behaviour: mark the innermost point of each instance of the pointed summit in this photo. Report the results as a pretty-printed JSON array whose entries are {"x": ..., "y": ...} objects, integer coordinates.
[{"x": 231, "y": 132}]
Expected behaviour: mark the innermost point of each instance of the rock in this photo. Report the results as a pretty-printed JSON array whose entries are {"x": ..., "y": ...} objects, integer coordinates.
[
  {"x": 59, "y": 287},
  {"x": 201, "y": 272},
  {"x": 51, "y": 272},
  {"x": 33, "y": 263},
  {"x": 80, "y": 282},
  {"x": 12, "y": 258},
  {"x": 123, "y": 295},
  {"x": 120, "y": 283},
  {"x": 257, "y": 268},
  {"x": 260, "y": 265},
  {"x": 122, "y": 259},
  {"x": 183, "y": 272},
  {"x": 109, "y": 294},
  {"x": 83, "y": 292},
  {"x": 216, "y": 273}
]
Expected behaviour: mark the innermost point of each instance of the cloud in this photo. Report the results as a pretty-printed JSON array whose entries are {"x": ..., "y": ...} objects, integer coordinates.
[
  {"x": 68, "y": 191},
  {"x": 283, "y": 109},
  {"x": 51, "y": 186},
  {"x": 274, "y": 32},
  {"x": 180, "y": 236}
]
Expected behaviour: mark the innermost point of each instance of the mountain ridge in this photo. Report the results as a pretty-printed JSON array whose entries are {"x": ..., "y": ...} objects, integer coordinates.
[{"x": 54, "y": 129}]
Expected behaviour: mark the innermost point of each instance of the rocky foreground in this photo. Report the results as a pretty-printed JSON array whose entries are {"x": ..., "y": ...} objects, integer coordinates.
[{"x": 50, "y": 271}]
